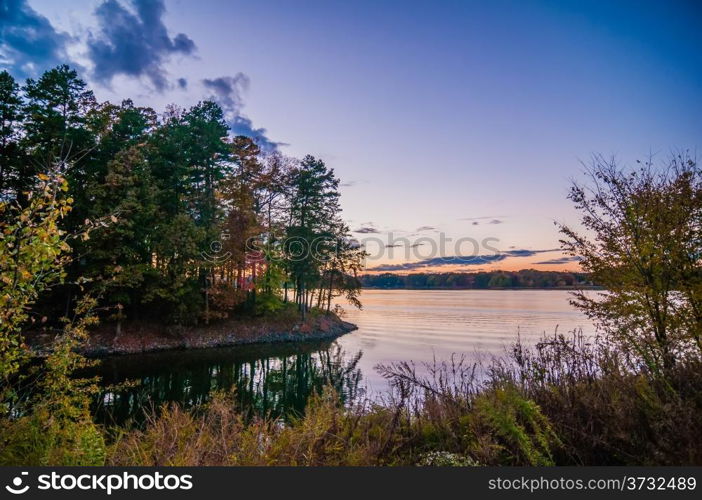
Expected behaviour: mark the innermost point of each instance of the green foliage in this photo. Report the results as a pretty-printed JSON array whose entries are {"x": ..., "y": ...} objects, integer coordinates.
[
  {"x": 523, "y": 433},
  {"x": 58, "y": 428},
  {"x": 268, "y": 303},
  {"x": 500, "y": 280},
  {"x": 31, "y": 251},
  {"x": 52, "y": 424},
  {"x": 39, "y": 439}
]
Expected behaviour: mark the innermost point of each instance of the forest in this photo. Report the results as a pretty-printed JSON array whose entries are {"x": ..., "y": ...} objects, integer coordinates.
[{"x": 167, "y": 215}]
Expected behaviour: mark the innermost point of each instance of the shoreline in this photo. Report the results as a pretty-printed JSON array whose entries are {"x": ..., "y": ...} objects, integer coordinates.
[{"x": 143, "y": 338}]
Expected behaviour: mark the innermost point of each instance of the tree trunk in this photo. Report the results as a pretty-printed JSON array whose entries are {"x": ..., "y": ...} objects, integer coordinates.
[
  {"x": 319, "y": 297},
  {"x": 329, "y": 295}
]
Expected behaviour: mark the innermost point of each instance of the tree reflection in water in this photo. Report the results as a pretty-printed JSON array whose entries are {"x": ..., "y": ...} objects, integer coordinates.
[{"x": 275, "y": 380}]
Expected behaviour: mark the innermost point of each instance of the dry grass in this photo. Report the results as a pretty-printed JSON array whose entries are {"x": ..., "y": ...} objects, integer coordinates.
[{"x": 565, "y": 402}]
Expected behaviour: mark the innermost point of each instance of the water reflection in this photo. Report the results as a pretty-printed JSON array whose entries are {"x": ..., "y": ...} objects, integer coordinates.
[
  {"x": 395, "y": 325},
  {"x": 274, "y": 380}
]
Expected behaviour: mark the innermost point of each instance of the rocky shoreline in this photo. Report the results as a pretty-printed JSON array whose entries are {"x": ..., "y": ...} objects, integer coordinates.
[{"x": 141, "y": 338}]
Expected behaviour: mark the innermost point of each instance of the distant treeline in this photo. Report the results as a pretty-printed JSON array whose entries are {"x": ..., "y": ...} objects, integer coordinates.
[{"x": 526, "y": 278}]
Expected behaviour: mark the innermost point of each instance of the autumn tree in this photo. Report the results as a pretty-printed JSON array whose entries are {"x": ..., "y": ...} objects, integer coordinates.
[
  {"x": 641, "y": 240},
  {"x": 32, "y": 255}
]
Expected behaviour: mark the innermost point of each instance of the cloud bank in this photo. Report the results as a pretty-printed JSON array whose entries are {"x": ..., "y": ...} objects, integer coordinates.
[
  {"x": 134, "y": 42},
  {"x": 473, "y": 260},
  {"x": 366, "y": 230},
  {"x": 559, "y": 261},
  {"x": 226, "y": 91},
  {"x": 131, "y": 40},
  {"x": 29, "y": 44}
]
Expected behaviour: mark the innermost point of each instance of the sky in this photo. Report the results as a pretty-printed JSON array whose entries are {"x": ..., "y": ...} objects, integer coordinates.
[{"x": 456, "y": 127}]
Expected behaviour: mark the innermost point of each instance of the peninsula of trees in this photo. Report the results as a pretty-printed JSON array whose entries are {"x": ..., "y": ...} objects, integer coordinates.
[{"x": 165, "y": 217}]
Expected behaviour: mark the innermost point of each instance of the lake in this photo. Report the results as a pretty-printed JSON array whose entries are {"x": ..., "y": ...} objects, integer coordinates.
[{"x": 394, "y": 325}]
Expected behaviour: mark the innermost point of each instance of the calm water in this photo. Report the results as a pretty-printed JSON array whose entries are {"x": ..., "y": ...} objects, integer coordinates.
[{"x": 394, "y": 325}]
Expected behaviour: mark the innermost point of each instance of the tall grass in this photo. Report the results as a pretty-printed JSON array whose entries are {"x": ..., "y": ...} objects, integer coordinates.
[{"x": 566, "y": 401}]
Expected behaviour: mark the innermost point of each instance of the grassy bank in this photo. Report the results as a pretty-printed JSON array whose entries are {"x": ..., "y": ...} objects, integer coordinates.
[{"x": 565, "y": 402}]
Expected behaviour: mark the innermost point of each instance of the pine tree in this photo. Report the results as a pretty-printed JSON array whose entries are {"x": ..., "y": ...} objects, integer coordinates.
[
  {"x": 10, "y": 122},
  {"x": 56, "y": 114},
  {"x": 314, "y": 206}
]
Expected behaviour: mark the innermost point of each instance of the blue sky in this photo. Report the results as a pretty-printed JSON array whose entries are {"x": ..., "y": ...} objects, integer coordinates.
[{"x": 445, "y": 116}]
